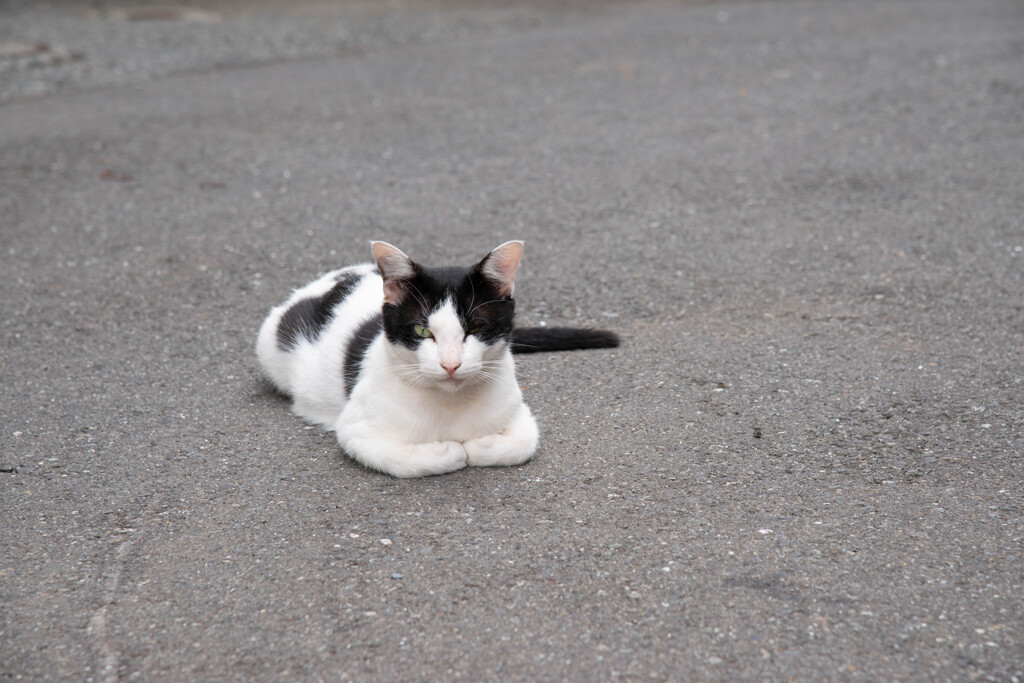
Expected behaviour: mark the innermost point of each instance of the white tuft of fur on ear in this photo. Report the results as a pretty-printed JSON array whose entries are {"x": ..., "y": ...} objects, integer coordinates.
[
  {"x": 395, "y": 268},
  {"x": 500, "y": 266}
]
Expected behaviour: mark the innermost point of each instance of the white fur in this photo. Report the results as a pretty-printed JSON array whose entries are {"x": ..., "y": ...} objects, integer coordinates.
[{"x": 453, "y": 402}]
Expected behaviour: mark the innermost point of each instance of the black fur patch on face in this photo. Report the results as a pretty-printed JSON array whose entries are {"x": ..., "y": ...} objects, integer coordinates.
[
  {"x": 483, "y": 312},
  {"x": 306, "y": 317},
  {"x": 356, "y": 351},
  {"x": 422, "y": 294}
]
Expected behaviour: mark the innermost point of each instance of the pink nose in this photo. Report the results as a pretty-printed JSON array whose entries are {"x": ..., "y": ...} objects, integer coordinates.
[{"x": 451, "y": 368}]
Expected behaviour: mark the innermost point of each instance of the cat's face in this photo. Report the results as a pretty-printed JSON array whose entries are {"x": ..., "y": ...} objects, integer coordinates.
[{"x": 448, "y": 327}]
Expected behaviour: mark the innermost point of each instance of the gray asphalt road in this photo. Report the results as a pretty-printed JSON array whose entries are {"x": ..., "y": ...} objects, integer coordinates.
[{"x": 805, "y": 461}]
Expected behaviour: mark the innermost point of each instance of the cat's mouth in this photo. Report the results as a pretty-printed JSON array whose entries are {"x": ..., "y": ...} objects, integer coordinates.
[{"x": 451, "y": 383}]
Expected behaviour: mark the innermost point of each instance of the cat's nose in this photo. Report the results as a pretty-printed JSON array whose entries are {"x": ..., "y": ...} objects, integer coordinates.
[{"x": 451, "y": 368}]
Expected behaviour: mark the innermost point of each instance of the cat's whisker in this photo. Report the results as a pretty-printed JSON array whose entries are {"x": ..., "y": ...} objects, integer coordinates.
[
  {"x": 411, "y": 375},
  {"x": 420, "y": 297},
  {"x": 484, "y": 303}
]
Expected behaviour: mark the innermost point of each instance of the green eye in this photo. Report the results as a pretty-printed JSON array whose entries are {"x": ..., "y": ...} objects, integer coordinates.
[
  {"x": 476, "y": 329},
  {"x": 422, "y": 331}
]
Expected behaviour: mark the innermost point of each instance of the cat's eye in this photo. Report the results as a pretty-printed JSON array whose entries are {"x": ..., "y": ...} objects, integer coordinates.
[
  {"x": 476, "y": 330},
  {"x": 422, "y": 331}
]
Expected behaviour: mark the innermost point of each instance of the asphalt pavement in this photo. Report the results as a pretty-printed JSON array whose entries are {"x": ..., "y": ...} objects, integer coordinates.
[{"x": 804, "y": 463}]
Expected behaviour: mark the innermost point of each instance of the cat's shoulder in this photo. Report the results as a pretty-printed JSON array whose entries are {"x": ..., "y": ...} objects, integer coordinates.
[
  {"x": 340, "y": 280},
  {"x": 310, "y": 308}
]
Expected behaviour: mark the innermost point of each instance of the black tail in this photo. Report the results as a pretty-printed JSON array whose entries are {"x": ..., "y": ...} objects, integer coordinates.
[{"x": 540, "y": 339}]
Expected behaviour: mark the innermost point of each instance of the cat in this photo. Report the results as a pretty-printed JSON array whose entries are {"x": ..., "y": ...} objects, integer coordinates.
[{"x": 411, "y": 366}]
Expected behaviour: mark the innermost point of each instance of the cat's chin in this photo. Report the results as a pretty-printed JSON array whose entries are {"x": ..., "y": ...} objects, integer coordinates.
[{"x": 451, "y": 384}]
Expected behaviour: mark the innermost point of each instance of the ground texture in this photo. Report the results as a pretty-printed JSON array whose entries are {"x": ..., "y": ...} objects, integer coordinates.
[{"x": 805, "y": 219}]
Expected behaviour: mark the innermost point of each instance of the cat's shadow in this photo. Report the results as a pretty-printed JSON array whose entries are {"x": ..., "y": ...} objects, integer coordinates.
[{"x": 265, "y": 389}]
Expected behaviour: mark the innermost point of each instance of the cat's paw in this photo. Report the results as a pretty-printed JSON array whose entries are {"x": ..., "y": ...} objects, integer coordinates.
[
  {"x": 484, "y": 443},
  {"x": 405, "y": 460},
  {"x": 495, "y": 450},
  {"x": 438, "y": 457},
  {"x": 451, "y": 455}
]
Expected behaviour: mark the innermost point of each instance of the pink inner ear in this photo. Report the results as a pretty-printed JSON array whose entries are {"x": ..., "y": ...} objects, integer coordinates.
[
  {"x": 395, "y": 267},
  {"x": 391, "y": 262},
  {"x": 393, "y": 292},
  {"x": 501, "y": 265}
]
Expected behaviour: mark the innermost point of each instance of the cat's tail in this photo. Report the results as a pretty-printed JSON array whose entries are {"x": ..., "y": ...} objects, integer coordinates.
[{"x": 540, "y": 339}]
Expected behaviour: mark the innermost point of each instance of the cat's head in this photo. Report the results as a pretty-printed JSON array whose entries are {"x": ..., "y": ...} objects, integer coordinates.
[{"x": 448, "y": 327}]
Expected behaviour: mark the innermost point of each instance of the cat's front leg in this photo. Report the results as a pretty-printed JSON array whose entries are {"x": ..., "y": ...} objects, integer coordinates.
[
  {"x": 406, "y": 460},
  {"x": 514, "y": 445}
]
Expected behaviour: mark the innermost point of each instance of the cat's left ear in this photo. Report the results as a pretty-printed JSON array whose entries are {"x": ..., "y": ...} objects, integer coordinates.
[
  {"x": 395, "y": 268},
  {"x": 500, "y": 266}
]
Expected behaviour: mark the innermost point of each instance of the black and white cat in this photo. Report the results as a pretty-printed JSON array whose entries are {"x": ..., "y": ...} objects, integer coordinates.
[{"x": 411, "y": 366}]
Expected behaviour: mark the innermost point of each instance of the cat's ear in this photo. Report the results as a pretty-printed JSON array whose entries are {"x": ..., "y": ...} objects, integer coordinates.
[
  {"x": 395, "y": 268},
  {"x": 500, "y": 266}
]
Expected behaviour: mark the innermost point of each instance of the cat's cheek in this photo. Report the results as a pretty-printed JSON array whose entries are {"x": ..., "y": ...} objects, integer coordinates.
[
  {"x": 428, "y": 359},
  {"x": 476, "y": 352}
]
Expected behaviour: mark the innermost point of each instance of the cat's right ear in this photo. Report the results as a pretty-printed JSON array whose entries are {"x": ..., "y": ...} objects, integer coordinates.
[
  {"x": 395, "y": 268},
  {"x": 501, "y": 265}
]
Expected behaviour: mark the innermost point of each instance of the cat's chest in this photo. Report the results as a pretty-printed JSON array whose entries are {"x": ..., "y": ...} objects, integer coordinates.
[{"x": 431, "y": 416}]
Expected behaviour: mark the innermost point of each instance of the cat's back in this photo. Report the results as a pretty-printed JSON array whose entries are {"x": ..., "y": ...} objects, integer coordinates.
[{"x": 302, "y": 343}]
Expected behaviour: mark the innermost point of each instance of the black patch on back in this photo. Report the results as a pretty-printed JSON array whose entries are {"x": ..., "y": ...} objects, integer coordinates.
[
  {"x": 306, "y": 317},
  {"x": 356, "y": 351}
]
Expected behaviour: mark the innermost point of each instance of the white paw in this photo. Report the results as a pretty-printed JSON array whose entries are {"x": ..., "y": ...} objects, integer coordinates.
[
  {"x": 451, "y": 456},
  {"x": 484, "y": 443},
  {"x": 438, "y": 457},
  {"x": 406, "y": 460},
  {"x": 496, "y": 449}
]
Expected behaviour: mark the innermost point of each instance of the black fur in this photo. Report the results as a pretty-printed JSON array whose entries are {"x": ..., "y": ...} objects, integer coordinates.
[
  {"x": 356, "y": 351},
  {"x": 481, "y": 309},
  {"x": 305, "y": 318},
  {"x": 540, "y": 339}
]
